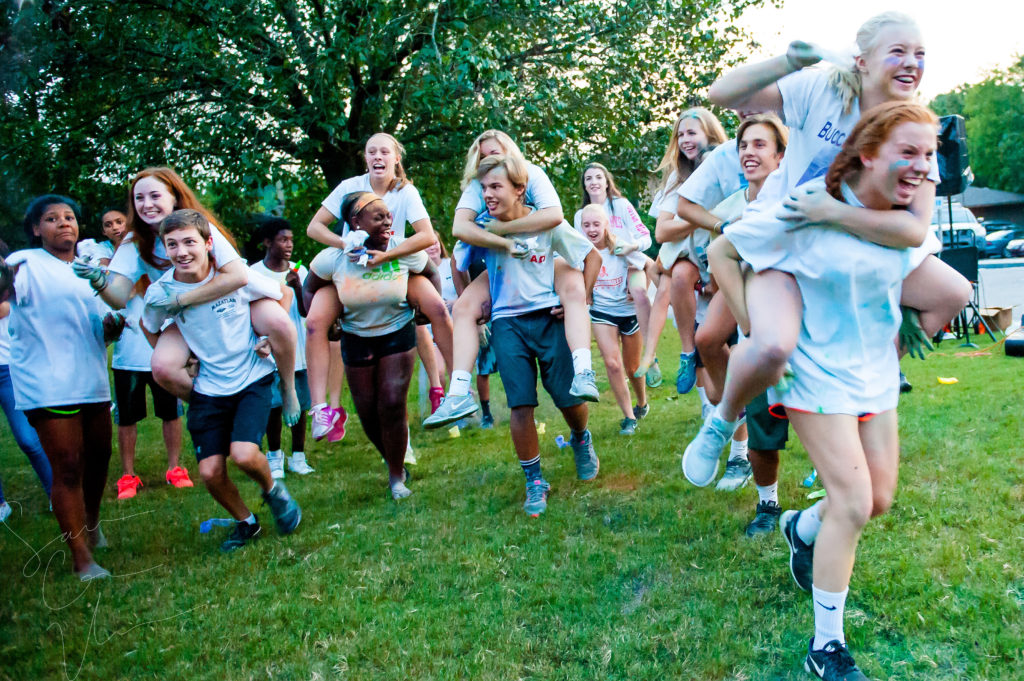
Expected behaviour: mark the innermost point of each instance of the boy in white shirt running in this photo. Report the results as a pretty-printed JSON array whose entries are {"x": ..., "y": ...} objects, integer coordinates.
[{"x": 230, "y": 401}]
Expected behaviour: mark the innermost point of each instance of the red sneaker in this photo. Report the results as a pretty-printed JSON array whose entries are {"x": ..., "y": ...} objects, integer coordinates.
[
  {"x": 178, "y": 477},
  {"x": 128, "y": 486},
  {"x": 436, "y": 395},
  {"x": 337, "y": 433}
]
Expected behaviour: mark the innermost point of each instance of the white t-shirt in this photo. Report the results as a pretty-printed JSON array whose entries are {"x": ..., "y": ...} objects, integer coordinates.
[
  {"x": 448, "y": 292},
  {"x": 297, "y": 320},
  {"x": 373, "y": 298},
  {"x": 129, "y": 263},
  {"x": 58, "y": 356},
  {"x": 219, "y": 333},
  {"x": 611, "y": 288},
  {"x": 89, "y": 248},
  {"x": 5, "y": 340},
  {"x": 626, "y": 226},
  {"x": 540, "y": 193},
  {"x": 132, "y": 352},
  {"x": 845, "y": 360},
  {"x": 521, "y": 285},
  {"x": 405, "y": 204},
  {"x": 717, "y": 176}
]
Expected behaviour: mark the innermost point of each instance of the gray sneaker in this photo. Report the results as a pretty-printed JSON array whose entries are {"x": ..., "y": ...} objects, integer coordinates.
[
  {"x": 451, "y": 409},
  {"x": 627, "y": 427},
  {"x": 641, "y": 412},
  {"x": 285, "y": 510},
  {"x": 737, "y": 474},
  {"x": 587, "y": 463},
  {"x": 584, "y": 386},
  {"x": 536, "y": 496},
  {"x": 700, "y": 460},
  {"x": 276, "y": 465}
]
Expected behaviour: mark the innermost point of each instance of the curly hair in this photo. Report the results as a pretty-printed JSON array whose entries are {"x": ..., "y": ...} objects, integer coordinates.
[{"x": 870, "y": 133}]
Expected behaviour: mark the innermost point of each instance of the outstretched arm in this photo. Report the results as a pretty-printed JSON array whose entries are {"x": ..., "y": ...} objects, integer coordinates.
[
  {"x": 319, "y": 229},
  {"x": 752, "y": 87}
]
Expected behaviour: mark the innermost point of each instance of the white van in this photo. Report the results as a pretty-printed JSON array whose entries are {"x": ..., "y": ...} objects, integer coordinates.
[{"x": 966, "y": 230}]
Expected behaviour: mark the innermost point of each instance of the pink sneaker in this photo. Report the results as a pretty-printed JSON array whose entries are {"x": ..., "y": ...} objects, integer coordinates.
[
  {"x": 337, "y": 433},
  {"x": 435, "y": 395},
  {"x": 324, "y": 419}
]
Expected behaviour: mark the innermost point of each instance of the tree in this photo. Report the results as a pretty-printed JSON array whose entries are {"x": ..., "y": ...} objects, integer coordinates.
[
  {"x": 238, "y": 94},
  {"x": 994, "y": 114}
]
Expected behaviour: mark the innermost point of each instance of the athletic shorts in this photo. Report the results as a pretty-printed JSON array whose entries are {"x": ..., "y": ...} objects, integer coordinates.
[
  {"x": 733, "y": 339},
  {"x": 66, "y": 411},
  {"x": 765, "y": 432},
  {"x": 627, "y": 325},
  {"x": 521, "y": 344},
  {"x": 365, "y": 351},
  {"x": 214, "y": 422},
  {"x": 301, "y": 390},
  {"x": 130, "y": 398},
  {"x": 486, "y": 362}
]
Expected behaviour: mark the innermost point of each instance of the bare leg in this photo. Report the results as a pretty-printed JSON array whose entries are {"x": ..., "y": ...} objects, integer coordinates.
[
  {"x": 659, "y": 315},
  {"x": 170, "y": 355},
  {"x": 712, "y": 341},
  {"x": 394, "y": 372},
  {"x": 637, "y": 282},
  {"x": 524, "y": 433},
  {"x": 271, "y": 320},
  {"x": 632, "y": 346},
  {"x": 423, "y": 296},
  {"x": 571, "y": 291},
  {"x": 214, "y": 472},
  {"x": 471, "y": 307},
  {"x": 764, "y": 464},
  {"x": 936, "y": 290},
  {"x": 172, "y": 442},
  {"x": 335, "y": 375},
  {"x": 325, "y": 308},
  {"x": 684, "y": 303},
  {"x": 608, "y": 343},
  {"x": 126, "y": 439},
  {"x": 425, "y": 349}
]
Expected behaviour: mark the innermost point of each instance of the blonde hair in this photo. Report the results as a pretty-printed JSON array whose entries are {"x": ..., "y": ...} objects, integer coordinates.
[
  {"x": 847, "y": 81},
  {"x": 515, "y": 169},
  {"x": 674, "y": 164},
  {"x": 609, "y": 238},
  {"x": 508, "y": 146},
  {"x": 400, "y": 177},
  {"x": 771, "y": 121}
]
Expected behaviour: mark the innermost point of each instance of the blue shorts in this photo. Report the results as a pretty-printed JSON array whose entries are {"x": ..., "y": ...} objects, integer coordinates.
[
  {"x": 301, "y": 389},
  {"x": 527, "y": 341}
]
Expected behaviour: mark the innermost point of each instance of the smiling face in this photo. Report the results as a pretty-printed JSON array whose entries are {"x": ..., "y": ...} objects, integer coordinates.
[
  {"x": 58, "y": 230},
  {"x": 501, "y": 197},
  {"x": 892, "y": 69},
  {"x": 381, "y": 157},
  {"x": 153, "y": 200},
  {"x": 189, "y": 252},
  {"x": 114, "y": 224},
  {"x": 375, "y": 220},
  {"x": 595, "y": 226},
  {"x": 759, "y": 154},
  {"x": 490, "y": 147},
  {"x": 596, "y": 184},
  {"x": 893, "y": 176},
  {"x": 692, "y": 139}
]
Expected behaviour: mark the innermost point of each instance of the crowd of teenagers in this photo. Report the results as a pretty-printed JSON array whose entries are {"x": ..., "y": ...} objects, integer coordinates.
[{"x": 797, "y": 258}]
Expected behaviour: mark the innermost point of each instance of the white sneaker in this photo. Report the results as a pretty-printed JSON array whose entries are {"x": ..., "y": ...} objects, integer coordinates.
[
  {"x": 5, "y": 512},
  {"x": 276, "y": 465},
  {"x": 410, "y": 456},
  {"x": 400, "y": 491},
  {"x": 297, "y": 464},
  {"x": 323, "y": 421}
]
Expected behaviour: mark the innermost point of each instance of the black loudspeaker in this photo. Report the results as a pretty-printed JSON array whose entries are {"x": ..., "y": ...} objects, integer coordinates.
[
  {"x": 954, "y": 166},
  {"x": 963, "y": 260}
]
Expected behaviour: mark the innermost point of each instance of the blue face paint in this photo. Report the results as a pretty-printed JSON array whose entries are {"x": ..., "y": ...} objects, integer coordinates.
[
  {"x": 893, "y": 61},
  {"x": 920, "y": 64}
]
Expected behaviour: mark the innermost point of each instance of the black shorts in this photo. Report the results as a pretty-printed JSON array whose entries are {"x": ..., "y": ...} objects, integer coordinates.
[
  {"x": 627, "y": 325},
  {"x": 130, "y": 398},
  {"x": 214, "y": 422},
  {"x": 365, "y": 351},
  {"x": 765, "y": 432},
  {"x": 734, "y": 338},
  {"x": 521, "y": 344}
]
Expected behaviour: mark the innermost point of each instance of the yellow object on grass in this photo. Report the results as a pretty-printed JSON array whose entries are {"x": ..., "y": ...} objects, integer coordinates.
[{"x": 948, "y": 380}]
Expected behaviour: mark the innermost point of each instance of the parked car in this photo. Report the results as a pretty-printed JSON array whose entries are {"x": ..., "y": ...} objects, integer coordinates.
[
  {"x": 1014, "y": 249},
  {"x": 997, "y": 225},
  {"x": 965, "y": 229},
  {"x": 996, "y": 242}
]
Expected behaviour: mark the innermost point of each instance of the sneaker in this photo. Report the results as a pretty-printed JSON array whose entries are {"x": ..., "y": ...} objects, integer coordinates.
[
  {"x": 128, "y": 486},
  {"x": 276, "y": 462},
  {"x": 641, "y": 412},
  {"x": 832, "y": 663},
  {"x": 400, "y": 491},
  {"x": 435, "y": 395},
  {"x": 587, "y": 463},
  {"x": 242, "y": 534},
  {"x": 297, "y": 464},
  {"x": 700, "y": 460},
  {"x": 584, "y": 386},
  {"x": 410, "y": 455},
  {"x": 5, "y": 512},
  {"x": 337, "y": 433},
  {"x": 801, "y": 555},
  {"x": 705, "y": 410},
  {"x": 324, "y": 419},
  {"x": 905, "y": 386},
  {"x": 453, "y": 408},
  {"x": 92, "y": 571},
  {"x": 653, "y": 376},
  {"x": 766, "y": 519},
  {"x": 536, "y": 497},
  {"x": 286, "y": 512},
  {"x": 487, "y": 421},
  {"x": 686, "y": 377},
  {"x": 178, "y": 476},
  {"x": 737, "y": 474},
  {"x": 627, "y": 427}
]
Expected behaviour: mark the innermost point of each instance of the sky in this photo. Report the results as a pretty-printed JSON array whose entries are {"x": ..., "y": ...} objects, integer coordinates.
[{"x": 963, "y": 38}]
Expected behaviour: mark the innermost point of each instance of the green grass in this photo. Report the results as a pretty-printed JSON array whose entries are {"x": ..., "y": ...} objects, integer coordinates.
[{"x": 635, "y": 576}]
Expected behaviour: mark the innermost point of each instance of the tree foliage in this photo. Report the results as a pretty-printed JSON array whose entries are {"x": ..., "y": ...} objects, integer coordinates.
[
  {"x": 994, "y": 113},
  {"x": 241, "y": 94}
]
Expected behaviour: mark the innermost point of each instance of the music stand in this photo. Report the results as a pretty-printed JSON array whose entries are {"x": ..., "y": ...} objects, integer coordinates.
[{"x": 965, "y": 261}]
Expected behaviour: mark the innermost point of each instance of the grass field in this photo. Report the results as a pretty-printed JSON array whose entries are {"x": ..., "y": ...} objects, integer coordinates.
[{"x": 635, "y": 576}]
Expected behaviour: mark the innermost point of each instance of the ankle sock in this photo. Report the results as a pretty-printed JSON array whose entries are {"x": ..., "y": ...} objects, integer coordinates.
[
  {"x": 317, "y": 407},
  {"x": 768, "y": 492},
  {"x": 531, "y": 468},
  {"x": 251, "y": 519},
  {"x": 703, "y": 394},
  {"x": 828, "y": 616},
  {"x": 582, "y": 361},
  {"x": 808, "y": 524},
  {"x": 738, "y": 450},
  {"x": 459, "y": 385},
  {"x": 275, "y": 454}
]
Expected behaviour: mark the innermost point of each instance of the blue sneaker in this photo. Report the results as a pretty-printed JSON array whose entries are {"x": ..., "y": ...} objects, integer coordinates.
[
  {"x": 285, "y": 510},
  {"x": 587, "y": 463},
  {"x": 686, "y": 377},
  {"x": 536, "y": 497},
  {"x": 700, "y": 460}
]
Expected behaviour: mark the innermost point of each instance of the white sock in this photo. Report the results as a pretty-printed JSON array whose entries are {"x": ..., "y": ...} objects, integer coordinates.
[
  {"x": 318, "y": 407},
  {"x": 809, "y": 522},
  {"x": 738, "y": 450},
  {"x": 251, "y": 519},
  {"x": 582, "y": 361},
  {"x": 828, "y": 616},
  {"x": 703, "y": 395},
  {"x": 459, "y": 385},
  {"x": 768, "y": 492},
  {"x": 275, "y": 454}
]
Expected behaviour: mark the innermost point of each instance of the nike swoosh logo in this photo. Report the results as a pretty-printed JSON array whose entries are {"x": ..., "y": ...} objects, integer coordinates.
[
  {"x": 825, "y": 606},
  {"x": 819, "y": 670}
]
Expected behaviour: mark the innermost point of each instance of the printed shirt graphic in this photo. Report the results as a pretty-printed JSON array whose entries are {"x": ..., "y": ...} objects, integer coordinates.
[
  {"x": 610, "y": 289},
  {"x": 373, "y": 298}
]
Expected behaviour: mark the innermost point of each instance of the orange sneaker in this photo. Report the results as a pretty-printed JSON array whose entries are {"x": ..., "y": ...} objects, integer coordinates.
[
  {"x": 128, "y": 486},
  {"x": 178, "y": 477}
]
